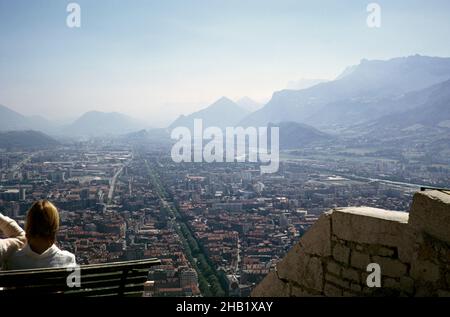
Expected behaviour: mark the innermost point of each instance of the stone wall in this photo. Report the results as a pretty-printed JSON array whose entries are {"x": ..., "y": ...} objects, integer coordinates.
[{"x": 331, "y": 259}]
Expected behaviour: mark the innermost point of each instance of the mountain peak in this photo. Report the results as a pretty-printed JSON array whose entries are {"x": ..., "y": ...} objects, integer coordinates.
[
  {"x": 245, "y": 99},
  {"x": 95, "y": 123},
  {"x": 222, "y": 113},
  {"x": 222, "y": 102},
  {"x": 224, "y": 99}
]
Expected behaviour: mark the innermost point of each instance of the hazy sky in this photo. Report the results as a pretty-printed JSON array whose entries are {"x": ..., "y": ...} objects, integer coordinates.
[{"x": 155, "y": 59}]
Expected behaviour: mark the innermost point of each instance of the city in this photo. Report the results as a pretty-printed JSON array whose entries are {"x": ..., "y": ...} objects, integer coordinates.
[{"x": 218, "y": 228}]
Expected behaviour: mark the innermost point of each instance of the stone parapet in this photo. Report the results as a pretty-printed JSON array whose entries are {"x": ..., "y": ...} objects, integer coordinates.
[{"x": 331, "y": 259}]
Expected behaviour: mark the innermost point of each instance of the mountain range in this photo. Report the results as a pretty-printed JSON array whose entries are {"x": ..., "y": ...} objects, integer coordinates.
[
  {"x": 96, "y": 123},
  {"x": 93, "y": 123},
  {"x": 374, "y": 98},
  {"x": 294, "y": 135},
  {"x": 361, "y": 93},
  {"x": 426, "y": 111},
  {"x": 11, "y": 120},
  {"x": 25, "y": 140}
]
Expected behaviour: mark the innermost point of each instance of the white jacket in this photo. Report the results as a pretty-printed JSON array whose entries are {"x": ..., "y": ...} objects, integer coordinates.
[
  {"x": 15, "y": 238},
  {"x": 26, "y": 258}
]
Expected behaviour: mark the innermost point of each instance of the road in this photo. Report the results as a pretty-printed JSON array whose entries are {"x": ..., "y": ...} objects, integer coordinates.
[
  {"x": 17, "y": 167},
  {"x": 113, "y": 182}
]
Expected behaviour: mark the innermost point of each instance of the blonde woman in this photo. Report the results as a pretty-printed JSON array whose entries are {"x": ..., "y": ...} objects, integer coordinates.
[
  {"x": 15, "y": 238},
  {"x": 40, "y": 251}
]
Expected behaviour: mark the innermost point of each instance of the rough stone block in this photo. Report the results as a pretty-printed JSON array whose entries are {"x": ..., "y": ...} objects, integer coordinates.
[
  {"x": 364, "y": 276},
  {"x": 390, "y": 267},
  {"x": 271, "y": 286},
  {"x": 407, "y": 246},
  {"x": 443, "y": 293},
  {"x": 424, "y": 290},
  {"x": 351, "y": 274},
  {"x": 425, "y": 271},
  {"x": 383, "y": 251},
  {"x": 293, "y": 265},
  {"x": 299, "y": 267},
  {"x": 341, "y": 253},
  {"x": 426, "y": 250},
  {"x": 407, "y": 285},
  {"x": 369, "y": 225},
  {"x": 391, "y": 283},
  {"x": 368, "y": 291},
  {"x": 444, "y": 253},
  {"x": 334, "y": 268},
  {"x": 313, "y": 277},
  {"x": 317, "y": 240},
  {"x": 300, "y": 292},
  {"x": 359, "y": 260},
  {"x": 337, "y": 281},
  {"x": 355, "y": 287},
  {"x": 332, "y": 291},
  {"x": 430, "y": 212}
]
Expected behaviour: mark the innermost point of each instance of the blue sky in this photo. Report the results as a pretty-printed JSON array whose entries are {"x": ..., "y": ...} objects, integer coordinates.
[{"x": 156, "y": 59}]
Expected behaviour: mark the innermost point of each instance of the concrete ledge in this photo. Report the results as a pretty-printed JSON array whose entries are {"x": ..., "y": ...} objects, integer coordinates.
[
  {"x": 430, "y": 213},
  {"x": 391, "y": 215},
  {"x": 369, "y": 225}
]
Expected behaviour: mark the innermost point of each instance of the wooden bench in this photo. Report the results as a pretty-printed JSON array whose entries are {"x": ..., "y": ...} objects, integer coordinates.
[{"x": 108, "y": 279}]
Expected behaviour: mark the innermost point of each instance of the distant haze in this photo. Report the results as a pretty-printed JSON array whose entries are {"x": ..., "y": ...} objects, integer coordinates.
[
  {"x": 155, "y": 60},
  {"x": 304, "y": 83}
]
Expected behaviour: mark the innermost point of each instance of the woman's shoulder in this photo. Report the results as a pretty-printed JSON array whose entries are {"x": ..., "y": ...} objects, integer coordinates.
[
  {"x": 67, "y": 256},
  {"x": 64, "y": 253}
]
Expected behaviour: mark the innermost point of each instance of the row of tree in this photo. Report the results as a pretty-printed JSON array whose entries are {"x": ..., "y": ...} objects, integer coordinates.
[{"x": 211, "y": 282}]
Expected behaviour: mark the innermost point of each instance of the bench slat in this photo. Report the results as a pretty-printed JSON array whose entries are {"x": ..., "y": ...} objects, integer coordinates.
[
  {"x": 12, "y": 281},
  {"x": 49, "y": 288},
  {"x": 113, "y": 291},
  {"x": 96, "y": 279},
  {"x": 86, "y": 269}
]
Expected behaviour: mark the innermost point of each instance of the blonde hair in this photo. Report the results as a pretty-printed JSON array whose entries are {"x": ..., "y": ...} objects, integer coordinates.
[{"x": 42, "y": 220}]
